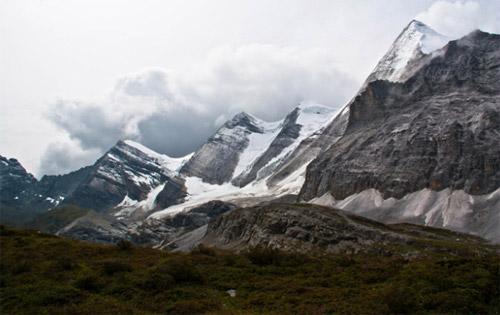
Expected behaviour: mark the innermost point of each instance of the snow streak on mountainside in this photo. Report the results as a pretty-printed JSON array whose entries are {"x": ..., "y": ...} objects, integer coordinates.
[
  {"x": 419, "y": 142},
  {"x": 303, "y": 122},
  {"x": 437, "y": 130},
  {"x": 15, "y": 182},
  {"x": 128, "y": 171},
  {"x": 231, "y": 149},
  {"x": 416, "y": 40},
  {"x": 167, "y": 162},
  {"x": 267, "y": 149}
]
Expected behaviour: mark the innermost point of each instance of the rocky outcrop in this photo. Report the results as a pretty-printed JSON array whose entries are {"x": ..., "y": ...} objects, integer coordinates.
[
  {"x": 416, "y": 40},
  {"x": 246, "y": 150},
  {"x": 438, "y": 129},
  {"x": 58, "y": 187},
  {"x": 16, "y": 194},
  {"x": 423, "y": 133},
  {"x": 450, "y": 209},
  {"x": 216, "y": 161},
  {"x": 164, "y": 232},
  {"x": 14, "y": 181},
  {"x": 306, "y": 228},
  {"x": 309, "y": 148},
  {"x": 173, "y": 192},
  {"x": 199, "y": 215},
  {"x": 122, "y": 171},
  {"x": 95, "y": 227},
  {"x": 287, "y": 135},
  {"x": 127, "y": 169}
]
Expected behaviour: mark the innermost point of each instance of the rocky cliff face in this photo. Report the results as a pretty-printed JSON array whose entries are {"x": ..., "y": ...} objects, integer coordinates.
[
  {"x": 303, "y": 227},
  {"x": 126, "y": 170},
  {"x": 15, "y": 182},
  {"x": 247, "y": 150},
  {"x": 439, "y": 129},
  {"x": 419, "y": 143},
  {"x": 416, "y": 40},
  {"x": 163, "y": 233},
  {"x": 289, "y": 132},
  {"x": 222, "y": 156}
]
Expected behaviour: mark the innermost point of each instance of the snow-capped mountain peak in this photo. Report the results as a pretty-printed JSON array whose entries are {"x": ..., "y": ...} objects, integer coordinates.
[
  {"x": 416, "y": 40},
  {"x": 167, "y": 162},
  {"x": 245, "y": 121}
]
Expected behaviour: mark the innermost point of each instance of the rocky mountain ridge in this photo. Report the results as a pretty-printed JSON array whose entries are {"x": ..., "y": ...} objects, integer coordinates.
[
  {"x": 308, "y": 228},
  {"x": 419, "y": 143}
]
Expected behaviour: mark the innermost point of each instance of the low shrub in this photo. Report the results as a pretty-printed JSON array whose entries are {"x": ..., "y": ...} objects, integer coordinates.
[
  {"x": 263, "y": 256},
  {"x": 181, "y": 270},
  {"x": 192, "y": 307},
  {"x": 112, "y": 267},
  {"x": 401, "y": 299},
  {"x": 124, "y": 245},
  {"x": 156, "y": 280},
  {"x": 5, "y": 232},
  {"x": 23, "y": 266},
  {"x": 87, "y": 280},
  {"x": 204, "y": 250}
]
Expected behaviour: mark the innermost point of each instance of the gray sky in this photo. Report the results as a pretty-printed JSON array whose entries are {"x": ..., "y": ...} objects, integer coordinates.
[{"x": 76, "y": 76}]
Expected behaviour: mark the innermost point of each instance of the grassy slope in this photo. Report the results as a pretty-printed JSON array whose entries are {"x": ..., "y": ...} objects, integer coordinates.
[
  {"x": 47, "y": 221},
  {"x": 54, "y": 220},
  {"x": 43, "y": 274}
]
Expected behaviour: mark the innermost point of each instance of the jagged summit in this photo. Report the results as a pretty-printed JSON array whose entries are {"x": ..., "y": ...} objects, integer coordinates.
[
  {"x": 245, "y": 120},
  {"x": 424, "y": 150},
  {"x": 475, "y": 37},
  {"x": 418, "y": 143},
  {"x": 416, "y": 40},
  {"x": 223, "y": 155},
  {"x": 14, "y": 180},
  {"x": 168, "y": 163}
]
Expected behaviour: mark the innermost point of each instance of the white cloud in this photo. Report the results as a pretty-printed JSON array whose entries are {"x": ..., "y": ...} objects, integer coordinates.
[
  {"x": 66, "y": 156},
  {"x": 74, "y": 50},
  {"x": 174, "y": 112},
  {"x": 267, "y": 80},
  {"x": 457, "y": 18}
]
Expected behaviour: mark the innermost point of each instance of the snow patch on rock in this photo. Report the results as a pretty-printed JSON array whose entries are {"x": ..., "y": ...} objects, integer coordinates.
[{"x": 416, "y": 40}]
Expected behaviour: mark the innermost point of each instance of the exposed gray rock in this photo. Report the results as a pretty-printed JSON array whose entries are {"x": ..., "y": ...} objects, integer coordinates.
[
  {"x": 58, "y": 187},
  {"x": 14, "y": 179},
  {"x": 123, "y": 170},
  {"x": 416, "y": 40},
  {"x": 187, "y": 241},
  {"x": 439, "y": 129},
  {"x": 174, "y": 192},
  {"x": 450, "y": 209},
  {"x": 305, "y": 227},
  {"x": 288, "y": 133},
  {"x": 308, "y": 149},
  {"x": 16, "y": 195},
  {"x": 216, "y": 160},
  {"x": 95, "y": 227},
  {"x": 294, "y": 227},
  {"x": 164, "y": 232}
]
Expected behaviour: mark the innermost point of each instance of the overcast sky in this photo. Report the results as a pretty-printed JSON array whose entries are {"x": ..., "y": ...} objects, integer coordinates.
[{"x": 76, "y": 76}]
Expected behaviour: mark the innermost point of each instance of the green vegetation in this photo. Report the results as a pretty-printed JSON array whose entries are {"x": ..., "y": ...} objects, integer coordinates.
[
  {"x": 54, "y": 220},
  {"x": 46, "y": 221},
  {"x": 44, "y": 274}
]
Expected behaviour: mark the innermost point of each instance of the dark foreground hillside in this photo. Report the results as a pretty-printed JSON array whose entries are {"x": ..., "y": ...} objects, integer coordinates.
[{"x": 44, "y": 274}]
